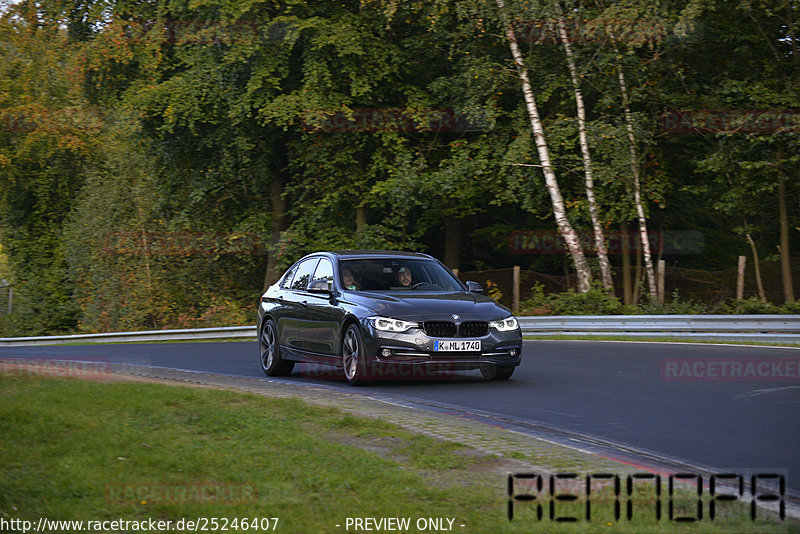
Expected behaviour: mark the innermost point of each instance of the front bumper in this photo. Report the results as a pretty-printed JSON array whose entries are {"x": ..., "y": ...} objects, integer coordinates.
[{"x": 414, "y": 348}]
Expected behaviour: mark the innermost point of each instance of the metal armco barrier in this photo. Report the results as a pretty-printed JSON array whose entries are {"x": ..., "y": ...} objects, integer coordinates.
[
  {"x": 229, "y": 332},
  {"x": 765, "y": 328}
]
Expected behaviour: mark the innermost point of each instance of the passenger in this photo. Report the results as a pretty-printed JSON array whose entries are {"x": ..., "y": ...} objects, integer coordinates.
[
  {"x": 349, "y": 280},
  {"x": 404, "y": 276}
]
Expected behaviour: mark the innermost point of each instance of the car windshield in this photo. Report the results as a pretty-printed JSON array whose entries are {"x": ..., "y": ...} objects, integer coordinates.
[{"x": 396, "y": 274}]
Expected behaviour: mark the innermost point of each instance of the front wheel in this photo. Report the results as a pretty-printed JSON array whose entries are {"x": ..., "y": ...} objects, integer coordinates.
[
  {"x": 353, "y": 358},
  {"x": 491, "y": 371},
  {"x": 271, "y": 362}
]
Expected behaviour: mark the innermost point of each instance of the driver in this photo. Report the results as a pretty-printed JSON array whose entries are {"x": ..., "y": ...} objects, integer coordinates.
[{"x": 404, "y": 276}]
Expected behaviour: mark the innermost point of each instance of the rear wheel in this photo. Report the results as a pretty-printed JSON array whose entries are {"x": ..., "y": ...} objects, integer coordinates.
[
  {"x": 490, "y": 371},
  {"x": 353, "y": 358},
  {"x": 271, "y": 362}
]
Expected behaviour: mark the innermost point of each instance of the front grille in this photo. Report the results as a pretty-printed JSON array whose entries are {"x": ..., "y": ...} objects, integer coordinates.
[
  {"x": 447, "y": 329},
  {"x": 439, "y": 328},
  {"x": 473, "y": 329}
]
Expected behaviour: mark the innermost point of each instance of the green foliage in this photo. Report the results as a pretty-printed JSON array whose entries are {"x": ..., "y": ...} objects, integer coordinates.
[
  {"x": 674, "y": 306},
  {"x": 493, "y": 291},
  {"x": 181, "y": 126},
  {"x": 596, "y": 301},
  {"x": 755, "y": 306}
]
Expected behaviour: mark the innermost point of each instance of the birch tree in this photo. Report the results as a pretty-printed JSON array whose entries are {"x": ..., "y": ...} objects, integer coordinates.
[
  {"x": 635, "y": 178},
  {"x": 599, "y": 237},
  {"x": 559, "y": 210}
]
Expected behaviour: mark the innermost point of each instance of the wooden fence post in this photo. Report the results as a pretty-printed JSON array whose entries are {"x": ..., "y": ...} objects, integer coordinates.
[{"x": 740, "y": 278}]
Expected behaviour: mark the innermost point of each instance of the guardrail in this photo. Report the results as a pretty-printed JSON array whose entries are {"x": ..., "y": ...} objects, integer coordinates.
[
  {"x": 766, "y": 328},
  {"x": 228, "y": 332}
]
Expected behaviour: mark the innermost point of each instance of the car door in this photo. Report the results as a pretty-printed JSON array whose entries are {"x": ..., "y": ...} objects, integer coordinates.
[
  {"x": 294, "y": 321},
  {"x": 319, "y": 339}
]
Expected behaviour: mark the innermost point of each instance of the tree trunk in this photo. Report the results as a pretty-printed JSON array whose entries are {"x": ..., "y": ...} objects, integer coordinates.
[
  {"x": 759, "y": 284},
  {"x": 786, "y": 266},
  {"x": 452, "y": 243},
  {"x": 637, "y": 280},
  {"x": 361, "y": 218},
  {"x": 637, "y": 195},
  {"x": 627, "y": 284},
  {"x": 277, "y": 225},
  {"x": 599, "y": 237},
  {"x": 559, "y": 211}
]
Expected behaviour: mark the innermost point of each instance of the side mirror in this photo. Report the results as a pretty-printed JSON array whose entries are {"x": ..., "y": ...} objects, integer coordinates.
[
  {"x": 474, "y": 287},
  {"x": 320, "y": 286}
]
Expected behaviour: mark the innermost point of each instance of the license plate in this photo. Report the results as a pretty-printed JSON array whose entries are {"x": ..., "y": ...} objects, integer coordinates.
[{"x": 457, "y": 346}]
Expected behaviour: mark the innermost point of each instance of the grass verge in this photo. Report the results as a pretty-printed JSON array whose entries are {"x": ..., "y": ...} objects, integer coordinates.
[{"x": 87, "y": 450}]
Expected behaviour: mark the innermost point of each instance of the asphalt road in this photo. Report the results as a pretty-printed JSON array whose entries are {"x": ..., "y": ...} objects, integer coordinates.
[{"x": 631, "y": 394}]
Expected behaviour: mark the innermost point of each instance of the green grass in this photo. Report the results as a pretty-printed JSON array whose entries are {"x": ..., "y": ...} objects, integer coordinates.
[{"x": 72, "y": 449}]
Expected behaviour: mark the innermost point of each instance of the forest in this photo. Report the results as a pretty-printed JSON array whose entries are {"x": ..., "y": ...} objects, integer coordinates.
[{"x": 163, "y": 161}]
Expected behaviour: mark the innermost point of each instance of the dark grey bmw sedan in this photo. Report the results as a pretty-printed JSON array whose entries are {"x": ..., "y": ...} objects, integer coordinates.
[{"x": 383, "y": 314}]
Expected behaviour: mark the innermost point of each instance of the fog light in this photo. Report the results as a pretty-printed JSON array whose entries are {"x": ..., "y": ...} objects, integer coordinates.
[
  {"x": 513, "y": 353},
  {"x": 386, "y": 353}
]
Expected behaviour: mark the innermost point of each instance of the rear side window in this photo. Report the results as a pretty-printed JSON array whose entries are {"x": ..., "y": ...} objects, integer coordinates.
[
  {"x": 286, "y": 283},
  {"x": 303, "y": 275}
]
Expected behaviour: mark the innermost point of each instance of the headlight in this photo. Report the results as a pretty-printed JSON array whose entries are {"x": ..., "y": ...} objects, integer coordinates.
[
  {"x": 388, "y": 324},
  {"x": 506, "y": 325}
]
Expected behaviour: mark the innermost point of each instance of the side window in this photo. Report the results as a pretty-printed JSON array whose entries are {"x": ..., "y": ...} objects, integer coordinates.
[
  {"x": 286, "y": 283},
  {"x": 303, "y": 275},
  {"x": 324, "y": 272}
]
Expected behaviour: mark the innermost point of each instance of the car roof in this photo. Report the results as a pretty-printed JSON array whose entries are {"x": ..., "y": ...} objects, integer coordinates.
[{"x": 353, "y": 254}]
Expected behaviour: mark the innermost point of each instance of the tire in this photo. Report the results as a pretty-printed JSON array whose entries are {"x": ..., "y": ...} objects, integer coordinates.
[
  {"x": 270, "y": 353},
  {"x": 354, "y": 361},
  {"x": 491, "y": 371}
]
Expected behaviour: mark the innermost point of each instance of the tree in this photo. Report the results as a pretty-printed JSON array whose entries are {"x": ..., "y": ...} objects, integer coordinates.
[
  {"x": 559, "y": 211},
  {"x": 49, "y": 133}
]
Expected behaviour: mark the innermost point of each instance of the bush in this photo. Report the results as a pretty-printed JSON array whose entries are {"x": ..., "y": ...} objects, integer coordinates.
[
  {"x": 493, "y": 291},
  {"x": 791, "y": 307},
  {"x": 675, "y": 306},
  {"x": 219, "y": 312},
  {"x": 753, "y": 306},
  {"x": 537, "y": 304},
  {"x": 596, "y": 301}
]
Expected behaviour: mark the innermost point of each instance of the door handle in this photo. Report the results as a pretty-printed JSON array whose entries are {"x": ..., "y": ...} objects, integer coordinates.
[{"x": 304, "y": 304}]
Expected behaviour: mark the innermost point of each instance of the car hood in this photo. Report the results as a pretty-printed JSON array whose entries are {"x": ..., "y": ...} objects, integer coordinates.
[{"x": 431, "y": 306}]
